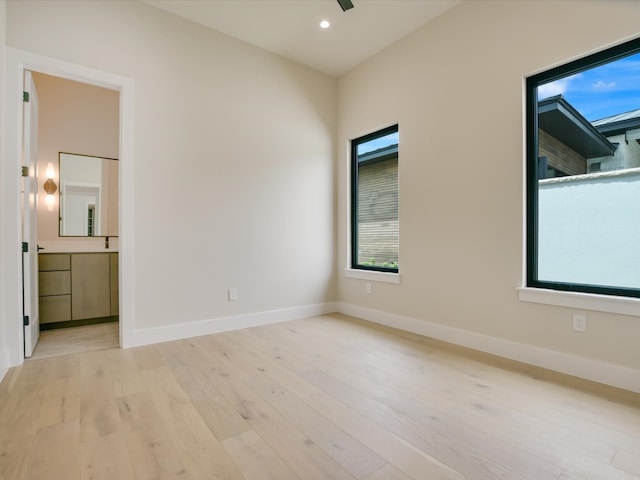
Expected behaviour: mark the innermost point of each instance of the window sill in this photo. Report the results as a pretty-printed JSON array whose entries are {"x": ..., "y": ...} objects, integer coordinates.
[
  {"x": 586, "y": 301},
  {"x": 373, "y": 276}
]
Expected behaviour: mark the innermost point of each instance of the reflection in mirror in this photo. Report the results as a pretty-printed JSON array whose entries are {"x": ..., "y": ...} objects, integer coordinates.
[{"x": 88, "y": 196}]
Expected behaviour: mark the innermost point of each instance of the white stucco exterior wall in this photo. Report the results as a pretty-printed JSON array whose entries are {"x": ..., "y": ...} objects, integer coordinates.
[{"x": 589, "y": 231}]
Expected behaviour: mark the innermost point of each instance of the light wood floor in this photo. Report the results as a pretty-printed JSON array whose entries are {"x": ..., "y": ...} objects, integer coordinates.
[
  {"x": 63, "y": 341},
  {"x": 325, "y": 398}
]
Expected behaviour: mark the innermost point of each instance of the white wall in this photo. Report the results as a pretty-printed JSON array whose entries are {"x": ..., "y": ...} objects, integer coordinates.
[
  {"x": 456, "y": 89},
  {"x": 234, "y": 167},
  {"x": 77, "y": 118},
  {"x": 234, "y": 179},
  {"x": 4, "y": 355}
]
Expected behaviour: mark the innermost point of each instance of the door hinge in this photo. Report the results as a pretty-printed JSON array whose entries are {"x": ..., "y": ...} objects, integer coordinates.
[
  {"x": 24, "y": 171},
  {"x": 25, "y": 320},
  {"x": 25, "y": 247},
  {"x": 25, "y": 97}
]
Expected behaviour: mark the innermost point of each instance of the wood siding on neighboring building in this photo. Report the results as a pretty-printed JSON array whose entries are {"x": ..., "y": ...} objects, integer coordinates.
[
  {"x": 378, "y": 211},
  {"x": 559, "y": 156}
]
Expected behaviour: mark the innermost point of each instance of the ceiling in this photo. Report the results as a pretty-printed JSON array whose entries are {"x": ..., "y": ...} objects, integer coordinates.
[{"x": 291, "y": 28}]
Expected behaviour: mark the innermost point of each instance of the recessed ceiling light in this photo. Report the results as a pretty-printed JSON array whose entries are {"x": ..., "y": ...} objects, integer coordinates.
[{"x": 325, "y": 24}]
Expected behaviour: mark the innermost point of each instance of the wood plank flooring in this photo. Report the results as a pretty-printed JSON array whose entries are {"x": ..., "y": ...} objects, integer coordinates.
[
  {"x": 325, "y": 398},
  {"x": 64, "y": 341}
]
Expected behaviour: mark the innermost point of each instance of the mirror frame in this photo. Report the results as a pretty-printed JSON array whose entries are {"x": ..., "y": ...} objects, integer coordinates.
[{"x": 61, "y": 188}]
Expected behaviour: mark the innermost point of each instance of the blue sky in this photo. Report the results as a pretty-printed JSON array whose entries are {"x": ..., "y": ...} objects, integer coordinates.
[
  {"x": 602, "y": 91},
  {"x": 375, "y": 144}
]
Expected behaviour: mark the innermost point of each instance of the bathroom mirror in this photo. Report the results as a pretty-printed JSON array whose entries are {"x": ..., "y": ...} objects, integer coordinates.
[{"x": 88, "y": 196}]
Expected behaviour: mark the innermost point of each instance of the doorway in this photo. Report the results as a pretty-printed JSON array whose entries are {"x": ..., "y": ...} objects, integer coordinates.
[
  {"x": 81, "y": 119},
  {"x": 17, "y": 63}
]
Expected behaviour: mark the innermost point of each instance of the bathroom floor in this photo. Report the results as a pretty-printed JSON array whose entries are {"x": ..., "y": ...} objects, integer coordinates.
[{"x": 65, "y": 341}]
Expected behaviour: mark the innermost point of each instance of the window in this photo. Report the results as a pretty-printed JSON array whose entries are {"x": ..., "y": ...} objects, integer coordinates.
[
  {"x": 91, "y": 213},
  {"x": 583, "y": 174},
  {"x": 374, "y": 201}
]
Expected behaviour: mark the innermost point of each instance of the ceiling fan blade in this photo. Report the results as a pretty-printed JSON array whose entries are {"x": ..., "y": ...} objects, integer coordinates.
[{"x": 345, "y": 4}]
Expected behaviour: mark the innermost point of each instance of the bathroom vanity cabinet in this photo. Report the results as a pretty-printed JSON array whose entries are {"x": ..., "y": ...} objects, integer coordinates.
[{"x": 76, "y": 287}]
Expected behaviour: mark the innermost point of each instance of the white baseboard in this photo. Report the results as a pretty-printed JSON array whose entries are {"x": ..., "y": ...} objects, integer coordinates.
[
  {"x": 597, "y": 371},
  {"x": 606, "y": 373},
  {"x": 223, "y": 324},
  {"x": 4, "y": 364}
]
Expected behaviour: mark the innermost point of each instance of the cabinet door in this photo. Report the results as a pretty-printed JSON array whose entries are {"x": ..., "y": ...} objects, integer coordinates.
[
  {"x": 90, "y": 297},
  {"x": 115, "y": 294}
]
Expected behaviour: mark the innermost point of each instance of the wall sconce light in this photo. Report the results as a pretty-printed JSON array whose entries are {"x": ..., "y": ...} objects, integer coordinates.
[{"x": 50, "y": 187}]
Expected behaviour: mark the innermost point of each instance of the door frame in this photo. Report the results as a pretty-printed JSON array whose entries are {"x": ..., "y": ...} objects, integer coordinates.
[{"x": 17, "y": 61}]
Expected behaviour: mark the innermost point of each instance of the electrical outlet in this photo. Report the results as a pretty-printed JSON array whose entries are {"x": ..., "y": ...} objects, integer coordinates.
[
  {"x": 579, "y": 323},
  {"x": 368, "y": 288},
  {"x": 233, "y": 294}
]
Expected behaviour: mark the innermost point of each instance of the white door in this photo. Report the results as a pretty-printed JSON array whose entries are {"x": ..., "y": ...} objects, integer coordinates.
[{"x": 30, "y": 218}]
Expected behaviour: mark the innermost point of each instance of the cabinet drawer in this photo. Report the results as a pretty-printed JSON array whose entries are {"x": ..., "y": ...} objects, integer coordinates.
[
  {"x": 56, "y": 308},
  {"x": 54, "y": 283},
  {"x": 54, "y": 261}
]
